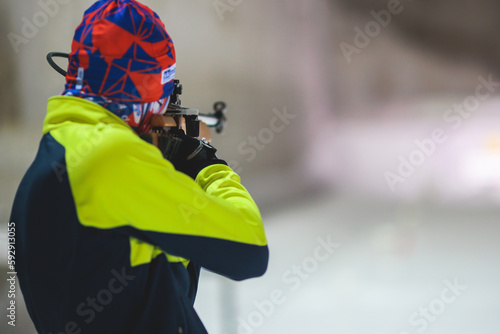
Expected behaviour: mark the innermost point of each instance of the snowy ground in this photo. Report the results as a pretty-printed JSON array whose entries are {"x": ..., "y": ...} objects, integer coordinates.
[{"x": 396, "y": 270}]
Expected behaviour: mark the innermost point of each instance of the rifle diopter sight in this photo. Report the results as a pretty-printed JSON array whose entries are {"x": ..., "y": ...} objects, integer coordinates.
[{"x": 189, "y": 120}]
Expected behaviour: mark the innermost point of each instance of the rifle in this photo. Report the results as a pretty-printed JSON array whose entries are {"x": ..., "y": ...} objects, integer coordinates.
[{"x": 165, "y": 129}]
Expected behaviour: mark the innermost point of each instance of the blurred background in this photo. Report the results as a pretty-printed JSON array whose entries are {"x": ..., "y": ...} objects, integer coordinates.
[{"x": 367, "y": 131}]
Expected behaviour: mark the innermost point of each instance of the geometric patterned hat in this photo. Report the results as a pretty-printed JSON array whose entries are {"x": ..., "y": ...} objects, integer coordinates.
[{"x": 122, "y": 51}]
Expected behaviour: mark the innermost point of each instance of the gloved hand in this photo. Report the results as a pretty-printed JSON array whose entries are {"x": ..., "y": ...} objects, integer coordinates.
[{"x": 193, "y": 155}]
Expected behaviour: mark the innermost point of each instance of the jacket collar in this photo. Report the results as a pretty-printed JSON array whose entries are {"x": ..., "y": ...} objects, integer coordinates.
[{"x": 64, "y": 109}]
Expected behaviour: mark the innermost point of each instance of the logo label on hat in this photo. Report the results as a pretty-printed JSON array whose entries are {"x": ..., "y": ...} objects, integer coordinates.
[
  {"x": 168, "y": 74},
  {"x": 79, "y": 78}
]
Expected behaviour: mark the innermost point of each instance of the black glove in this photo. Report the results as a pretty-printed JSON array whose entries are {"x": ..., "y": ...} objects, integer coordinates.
[{"x": 193, "y": 154}]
